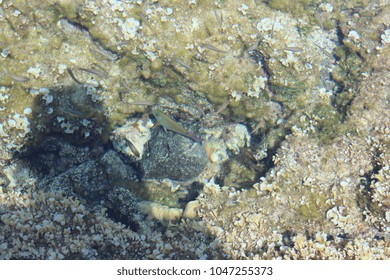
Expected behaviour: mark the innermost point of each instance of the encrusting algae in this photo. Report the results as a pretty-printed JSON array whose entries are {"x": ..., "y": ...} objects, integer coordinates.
[{"x": 303, "y": 121}]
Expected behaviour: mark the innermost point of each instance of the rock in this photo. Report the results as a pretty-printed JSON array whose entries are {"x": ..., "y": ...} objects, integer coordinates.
[
  {"x": 69, "y": 168},
  {"x": 122, "y": 206},
  {"x": 55, "y": 155},
  {"x": 173, "y": 156},
  {"x": 190, "y": 210},
  {"x": 88, "y": 180},
  {"x": 130, "y": 138},
  {"x": 117, "y": 170}
]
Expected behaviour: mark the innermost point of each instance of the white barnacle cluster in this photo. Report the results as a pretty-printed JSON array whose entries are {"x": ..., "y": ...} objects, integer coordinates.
[
  {"x": 260, "y": 225},
  {"x": 290, "y": 59},
  {"x": 268, "y": 185},
  {"x": 268, "y": 24},
  {"x": 15, "y": 130},
  {"x": 257, "y": 86},
  {"x": 326, "y": 7},
  {"x": 19, "y": 122},
  {"x": 324, "y": 94},
  {"x": 129, "y": 27},
  {"x": 385, "y": 37},
  {"x": 281, "y": 34},
  {"x": 48, "y": 98},
  {"x": 61, "y": 68},
  {"x": 5, "y": 52},
  {"x": 211, "y": 187},
  {"x": 381, "y": 186},
  {"x": 4, "y": 96},
  {"x": 192, "y": 2},
  {"x": 235, "y": 95},
  {"x": 66, "y": 126},
  {"x": 41, "y": 91},
  {"x": 243, "y": 9},
  {"x": 131, "y": 138},
  {"x": 35, "y": 71},
  {"x": 222, "y": 139},
  {"x": 237, "y": 138},
  {"x": 310, "y": 247},
  {"x": 354, "y": 35},
  {"x": 93, "y": 91},
  {"x": 165, "y": 14},
  {"x": 190, "y": 212},
  {"x": 339, "y": 217},
  {"x": 194, "y": 23},
  {"x": 3, "y": 134},
  {"x": 216, "y": 150}
]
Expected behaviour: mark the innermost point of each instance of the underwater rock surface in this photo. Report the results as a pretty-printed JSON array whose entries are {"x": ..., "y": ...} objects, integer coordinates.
[
  {"x": 130, "y": 138},
  {"x": 123, "y": 206},
  {"x": 173, "y": 156},
  {"x": 117, "y": 170},
  {"x": 291, "y": 99},
  {"x": 72, "y": 169}
]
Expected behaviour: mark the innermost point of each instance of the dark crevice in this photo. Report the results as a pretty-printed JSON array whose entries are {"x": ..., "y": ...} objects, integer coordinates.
[
  {"x": 118, "y": 217},
  {"x": 193, "y": 192},
  {"x": 340, "y": 36},
  {"x": 364, "y": 194},
  {"x": 261, "y": 168},
  {"x": 95, "y": 40}
]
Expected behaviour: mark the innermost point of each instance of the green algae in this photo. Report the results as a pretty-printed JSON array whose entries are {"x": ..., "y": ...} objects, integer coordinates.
[
  {"x": 164, "y": 77},
  {"x": 151, "y": 79},
  {"x": 328, "y": 122},
  {"x": 233, "y": 71},
  {"x": 350, "y": 66},
  {"x": 315, "y": 207},
  {"x": 68, "y": 9},
  {"x": 156, "y": 191},
  {"x": 297, "y": 8},
  {"x": 238, "y": 175},
  {"x": 347, "y": 73}
]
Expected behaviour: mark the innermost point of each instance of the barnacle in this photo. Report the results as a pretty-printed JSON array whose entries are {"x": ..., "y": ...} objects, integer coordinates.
[{"x": 324, "y": 171}]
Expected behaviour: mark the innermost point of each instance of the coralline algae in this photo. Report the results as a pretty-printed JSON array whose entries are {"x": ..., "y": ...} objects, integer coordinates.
[{"x": 313, "y": 129}]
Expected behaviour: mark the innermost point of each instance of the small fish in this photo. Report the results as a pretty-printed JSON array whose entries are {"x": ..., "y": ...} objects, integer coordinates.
[
  {"x": 257, "y": 127},
  {"x": 172, "y": 125},
  {"x": 142, "y": 103},
  {"x": 73, "y": 112},
  {"x": 99, "y": 73},
  {"x": 70, "y": 72},
  {"x": 293, "y": 49},
  {"x": 20, "y": 79},
  {"x": 218, "y": 17},
  {"x": 212, "y": 48},
  {"x": 133, "y": 148},
  {"x": 106, "y": 54},
  {"x": 182, "y": 64},
  {"x": 223, "y": 106},
  {"x": 273, "y": 25}
]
